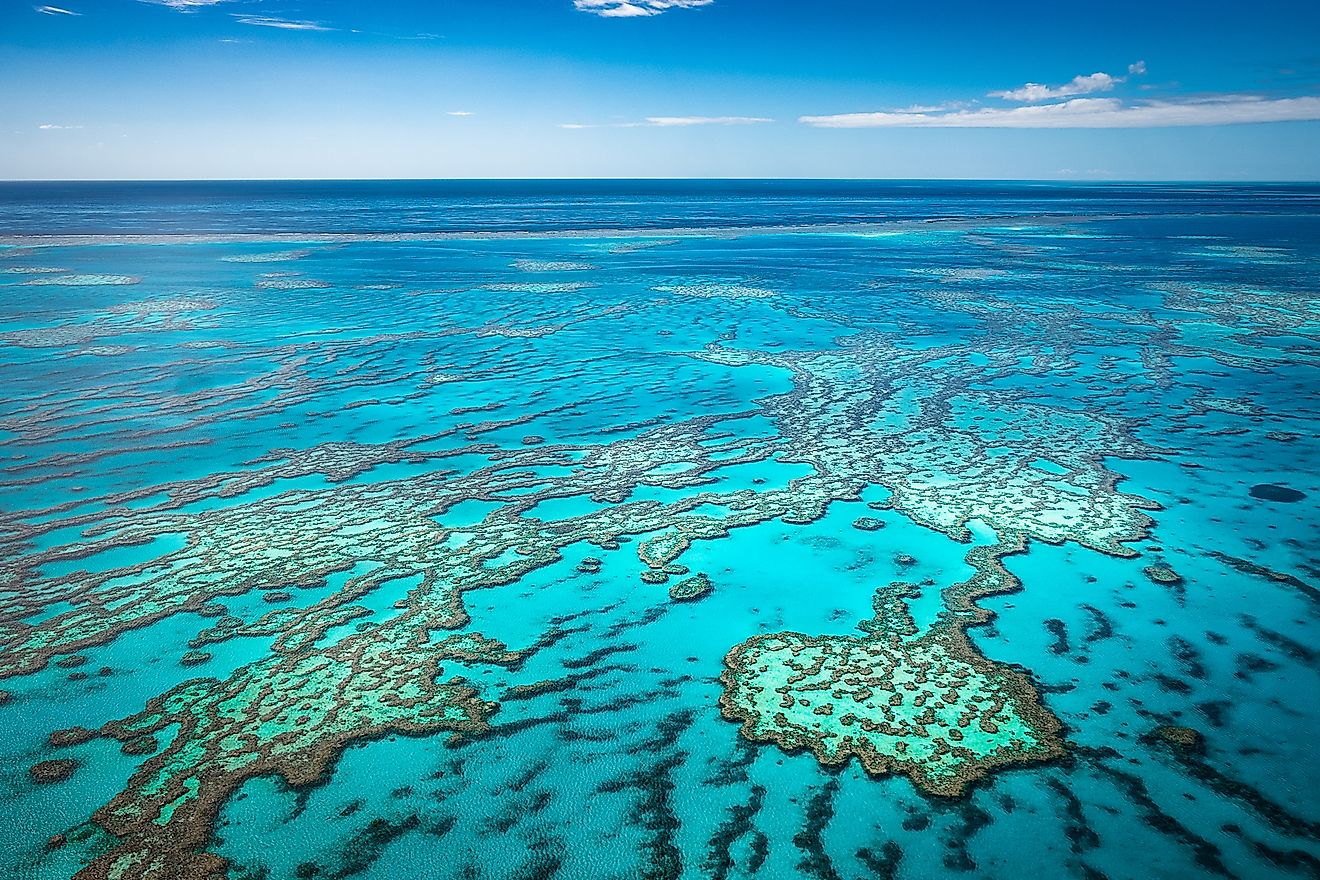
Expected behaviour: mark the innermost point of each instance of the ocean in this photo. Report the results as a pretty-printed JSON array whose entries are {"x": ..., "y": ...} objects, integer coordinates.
[{"x": 659, "y": 529}]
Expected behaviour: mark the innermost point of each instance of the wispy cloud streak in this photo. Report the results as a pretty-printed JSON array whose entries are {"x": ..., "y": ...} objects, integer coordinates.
[
  {"x": 667, "y": 121},
  {"x": 55, "y": 10},
  {"x": 185, "y": 5},
  {"x": 281, "y": 23},
  {"x": 634, "y": 8},
  {"x": 673, "y": 122}
]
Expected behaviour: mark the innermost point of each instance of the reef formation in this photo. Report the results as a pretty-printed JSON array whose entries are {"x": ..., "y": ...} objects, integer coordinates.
[
  {"x": 353, "y": 562},
  {"x": 929, "y": 706}
]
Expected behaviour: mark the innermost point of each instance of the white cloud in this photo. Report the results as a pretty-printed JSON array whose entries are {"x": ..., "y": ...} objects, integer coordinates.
[
  {"x": 184, "y": 5},
  {"x": 1079, "y": 85},
  {"x": 460, "y": 113},
  {"x": 50, "y": 126},
  {"x": 666, "y": 121},
  {"x": 932, "y": 108},
  {"x": 634, "y": 8},
  {"x": 1226, "y": 109},
  {"x": 54, "y": 10},
  {"x": 672, "y": 122},
  {"x": 281, "y": 23}
]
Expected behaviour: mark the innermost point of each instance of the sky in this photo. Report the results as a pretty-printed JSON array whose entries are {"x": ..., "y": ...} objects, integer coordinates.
[{"x": 1120, "y": 90}]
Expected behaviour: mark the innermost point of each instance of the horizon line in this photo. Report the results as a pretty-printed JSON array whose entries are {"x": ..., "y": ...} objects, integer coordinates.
[{"x": 1027, "y": 180}]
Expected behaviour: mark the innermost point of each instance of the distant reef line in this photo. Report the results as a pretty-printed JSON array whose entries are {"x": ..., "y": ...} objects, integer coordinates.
[{"x": 869, "y": 227}]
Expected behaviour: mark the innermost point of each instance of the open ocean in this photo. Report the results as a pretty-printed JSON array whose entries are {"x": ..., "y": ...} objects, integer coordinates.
[{"x": 626, "y": 529}]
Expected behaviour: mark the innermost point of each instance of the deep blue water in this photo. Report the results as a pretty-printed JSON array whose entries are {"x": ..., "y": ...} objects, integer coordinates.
[
  {"x": 772, "y": 530},
  {"x": 552, "y": 205}
]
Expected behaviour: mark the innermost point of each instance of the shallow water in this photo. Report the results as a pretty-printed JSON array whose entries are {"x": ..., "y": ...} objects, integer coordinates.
[{"x": 353, "y": 556}]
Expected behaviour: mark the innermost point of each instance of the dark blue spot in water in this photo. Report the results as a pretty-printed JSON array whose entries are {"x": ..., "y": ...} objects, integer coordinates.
[{"x": 1271, "y": 492}]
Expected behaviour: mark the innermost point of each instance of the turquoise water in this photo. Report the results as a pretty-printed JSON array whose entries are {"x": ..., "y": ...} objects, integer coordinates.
[{"x": 659, "y": 532}]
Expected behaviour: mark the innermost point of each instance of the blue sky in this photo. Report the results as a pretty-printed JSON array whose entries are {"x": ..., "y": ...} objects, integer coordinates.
[{"x": 660, "y": 88}]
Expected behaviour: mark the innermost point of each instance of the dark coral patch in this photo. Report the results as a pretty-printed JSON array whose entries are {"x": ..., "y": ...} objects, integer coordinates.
[
  {"x": 693, "y": 588},
  {"x": 73, "y": 736},
  {"x": 53, "y": 771},
  {"x": 140, "y": 745},
  {"x": 1185, "y": 739},
  {"x": 1162, "y": 574}
]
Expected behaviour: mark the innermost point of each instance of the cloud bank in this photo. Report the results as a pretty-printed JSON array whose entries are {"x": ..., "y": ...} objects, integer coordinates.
[{"x": 1227, "y": 109}]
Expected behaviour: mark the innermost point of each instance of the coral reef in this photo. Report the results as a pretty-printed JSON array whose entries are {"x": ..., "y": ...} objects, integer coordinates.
[
  {"x": 52, "y": 771},
  {"x": 690, "y": 589},
  {"x": 928, "y": 706},
  {"x": 349, "y": 554}
]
